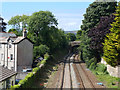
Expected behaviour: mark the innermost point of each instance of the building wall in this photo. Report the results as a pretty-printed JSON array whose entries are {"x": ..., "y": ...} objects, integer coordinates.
[
  {"x": 3, "y": 84},
  {"x": 22, "y": 55},
  {"x": 25, "y": 54},
  {"x": 5, "y": 59}
]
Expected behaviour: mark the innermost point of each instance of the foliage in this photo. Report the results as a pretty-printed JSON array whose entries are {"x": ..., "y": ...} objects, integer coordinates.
[
  {"x": 30, "y": 78},
  {"x": 40, "y": 24},
  {"x": 17, "y": 21},
  {"x": 103, "y": 76},
  {"x": 42, "y": 30},
  {"x": 98, "y": 33},
  {"x": 18, "y": 33},
  {"x": 108, "y": 80},
  {"x": 40, "y": 50},
  {"x": 71, "y": 36},
  {"x": 79, "y": 33},
  {"x": 101, "y": 69},
  {"x": 92, "y": 63},
  {"x": 112, "y": 42},
  {"x": 91, "y": 19}
]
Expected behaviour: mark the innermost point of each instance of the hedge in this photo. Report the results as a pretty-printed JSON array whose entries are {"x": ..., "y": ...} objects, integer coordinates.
[{"x": 30, "y": 78}]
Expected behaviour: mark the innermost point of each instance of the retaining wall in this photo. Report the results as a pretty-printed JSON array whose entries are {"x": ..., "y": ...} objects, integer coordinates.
[{"x": 113, "y": 71}]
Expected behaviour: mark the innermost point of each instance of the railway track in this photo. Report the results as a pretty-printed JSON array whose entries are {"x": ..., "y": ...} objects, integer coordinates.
[
  {"x": 81, "y": 75},
  {"x": 65, "y": 80},
  {"x": 73, "y": 75}
]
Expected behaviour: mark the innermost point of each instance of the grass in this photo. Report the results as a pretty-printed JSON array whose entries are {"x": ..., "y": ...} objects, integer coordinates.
[
  {"x": 109, "y": 81},
  {"x": 102, "y": 75}
]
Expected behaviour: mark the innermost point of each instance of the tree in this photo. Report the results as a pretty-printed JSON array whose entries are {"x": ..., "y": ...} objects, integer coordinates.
[
  {"x": 79, "y": 33},
  {"x": 40, "y": 51},
  {"x": 40, "y": 24},
  {"x": 71, "y": 36},
  {"x": 95, "y": 11},
  {"x": 15, "y": 21},
  {"x": 98, "y": 33},
  {"x": 42, "y": 29},
  {"x": 18, "y": 33},
  {"x": 112, "y": 42},
  {"x": 19, "y": 22},
  {"x": 91, "y": 19}
]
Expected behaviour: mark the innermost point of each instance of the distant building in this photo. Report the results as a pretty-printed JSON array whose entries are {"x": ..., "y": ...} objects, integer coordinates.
[
  {"x": 7, "y": 78},
  {"x": 2, "y": 25},
  {"x": 16, "y": 53}
]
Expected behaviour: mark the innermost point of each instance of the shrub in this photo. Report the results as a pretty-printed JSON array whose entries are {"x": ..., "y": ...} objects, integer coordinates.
[
  {"x": 112, "y": 42},
  {"x": 101, "y": 69},
  {"x": 30, "y": 78},
  {"x": 40, "y": 51},
  {"x": 93, "y": 64}
]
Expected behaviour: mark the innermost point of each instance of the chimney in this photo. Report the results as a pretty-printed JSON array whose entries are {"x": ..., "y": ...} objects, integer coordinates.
[{"x": 24, "y": 32}]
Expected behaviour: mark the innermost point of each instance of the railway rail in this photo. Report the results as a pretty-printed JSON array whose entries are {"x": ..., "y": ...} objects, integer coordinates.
[
  {"x": 71, "y": 71},
  {"x": 81, "y": 74}
]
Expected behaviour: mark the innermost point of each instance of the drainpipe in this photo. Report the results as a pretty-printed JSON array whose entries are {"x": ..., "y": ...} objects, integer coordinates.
[
  {"x": 4, "y": 55},
  {"x": 14, "y": 57},
  {"x": 7, "y": 53}
]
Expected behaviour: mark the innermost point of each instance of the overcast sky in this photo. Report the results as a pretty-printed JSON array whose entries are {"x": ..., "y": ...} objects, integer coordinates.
[{"x": 69, "y": 14}]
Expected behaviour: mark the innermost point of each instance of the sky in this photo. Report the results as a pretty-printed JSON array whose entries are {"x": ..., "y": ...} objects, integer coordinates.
[{"x": 69, "y": 14}]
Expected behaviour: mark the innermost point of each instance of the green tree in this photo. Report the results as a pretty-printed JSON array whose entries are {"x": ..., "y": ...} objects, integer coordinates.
[
  {"x": 79, "y": 33},
  {"x": 19, "y": 22},
  {"x": 71, "y": 36},
  {"x": 18, "y": 33},
  {"x": 91, "y": 19},
  {"x": 42, "y": 29},
  {"x": 40, "y": 50},
  {"x": 39, "y": 25},
  {"x": 15, "y": 21},
  {"x": 112, "y": 42}
]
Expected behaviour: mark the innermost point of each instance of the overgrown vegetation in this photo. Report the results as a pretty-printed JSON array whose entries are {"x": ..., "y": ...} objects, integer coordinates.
[
  {"x": 42, "y": 30},
  {"x": 32, "y": 76},
  {"x": 71, "y": 36},
  {"x": 103, "y": 76},
  {"x": 40, "y": 51},
  {"x": 112, "y": 42},
  {"x": 91, "y": 19}
]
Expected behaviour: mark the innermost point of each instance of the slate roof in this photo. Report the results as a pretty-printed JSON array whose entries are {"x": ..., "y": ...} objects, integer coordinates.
[
  {"x": 6, "y": 73},
  {"x": 15, "y": 40},
  {"x": 3, "y": 34}
]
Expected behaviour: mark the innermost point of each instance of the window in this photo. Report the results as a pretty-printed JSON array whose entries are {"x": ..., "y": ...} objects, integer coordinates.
[
  {"x": 11, "y": 56},
  {"x": 0, "y": 46},
  {"x": 2, "y": 56},
  {"x": 10, "y": 46}
]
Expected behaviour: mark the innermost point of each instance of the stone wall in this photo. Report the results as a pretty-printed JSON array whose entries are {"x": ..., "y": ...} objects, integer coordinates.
[{"x": 113, "y": 71}]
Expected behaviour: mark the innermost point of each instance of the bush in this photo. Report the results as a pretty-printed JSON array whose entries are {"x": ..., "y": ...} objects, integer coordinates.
[
  {"x": 40, "y": 51},
  {"x": 30, "y": 78},
  {"x": 101, "y": 69},
  {"x": 112, "y": 42}
]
